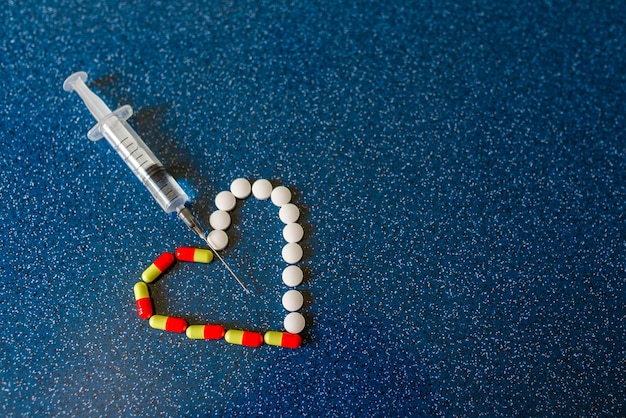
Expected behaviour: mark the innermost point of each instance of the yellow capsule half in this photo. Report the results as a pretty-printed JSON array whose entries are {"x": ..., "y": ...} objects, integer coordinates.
[
  {"x": 158, "y": 322},
  {"x": 141, "y": 291},
  {"x": 203, "y": 256}
]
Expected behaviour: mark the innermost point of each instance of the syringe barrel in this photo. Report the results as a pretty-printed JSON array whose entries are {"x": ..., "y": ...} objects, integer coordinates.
[{"x": 143, "y": 163}]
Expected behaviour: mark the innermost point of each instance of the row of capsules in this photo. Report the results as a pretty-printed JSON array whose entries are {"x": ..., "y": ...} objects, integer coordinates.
[
  {"x": 292, "y": 252},
  {"x": 143, "y": 300},
  {"x": 145, "y": 308}
]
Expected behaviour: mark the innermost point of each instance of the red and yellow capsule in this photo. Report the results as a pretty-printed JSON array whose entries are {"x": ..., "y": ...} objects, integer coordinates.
[
  {"x": 194, "y": 255},
  {"x": 247, "y": 338},
  {"x": 205, "y": 332},
  {"x": 168, "y": 323},
  {"x": 162, "y": 263},
  {"x": 143, "y": 300},
  {"x": 282, "y": 339}
]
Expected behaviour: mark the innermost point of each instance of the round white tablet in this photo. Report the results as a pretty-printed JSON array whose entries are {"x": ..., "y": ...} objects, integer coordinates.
[
  {"x": 292, "y": 253},
  {"x": 218, "y": 239},
  {"x": 281, "y": 196},
  {"x": 292, "y": 300},
  {"x": 262, "y": 189},
  {"x": 292, "y": 232},
  {"x": 240, "y": 188},
  {"x": 220, "y": 219},
  {"x": 225, "y": 200},
  {"x": 292, "y": 276},
  {"x": 289, "y": 213},
  {"x": 294, "y": 323}
]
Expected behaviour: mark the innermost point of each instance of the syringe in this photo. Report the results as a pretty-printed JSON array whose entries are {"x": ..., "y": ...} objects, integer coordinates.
[{"x": 138, "y": 157}]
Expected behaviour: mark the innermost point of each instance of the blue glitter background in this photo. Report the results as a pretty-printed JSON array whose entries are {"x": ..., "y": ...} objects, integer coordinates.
[{"x": 460, "y": 166}]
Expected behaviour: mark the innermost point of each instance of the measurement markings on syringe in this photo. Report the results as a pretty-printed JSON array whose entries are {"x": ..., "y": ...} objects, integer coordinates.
[
  {"x": 157, "y": 173},
  {"x": 139, "y": 156}
]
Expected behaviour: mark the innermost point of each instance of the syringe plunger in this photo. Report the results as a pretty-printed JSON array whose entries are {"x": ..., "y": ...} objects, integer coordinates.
[{"x": 76, "y": 82}]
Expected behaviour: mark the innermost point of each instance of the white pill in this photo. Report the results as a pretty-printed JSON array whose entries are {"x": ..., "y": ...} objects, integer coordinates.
[
  {"x": 225, "y": 200},
  {"x": 293, "y": 232},
  {"x": 289, "y": 213},
  {"x": 294, "y": 323},
  {"x": 292, "y": 253},
  {"x": 240, "y": 188},
  {"x": 292, "y": 276},
  {"x": 292, "y": 300},
  {"x": 262, "y": 189},
  {"x": 218, "y": 239},
  {"x": 220, "y": 219},
  {"x": 281, "y": 196}
]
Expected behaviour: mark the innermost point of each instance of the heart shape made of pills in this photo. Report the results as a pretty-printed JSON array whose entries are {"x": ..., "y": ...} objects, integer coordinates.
[{"x": 220, "y": 220}]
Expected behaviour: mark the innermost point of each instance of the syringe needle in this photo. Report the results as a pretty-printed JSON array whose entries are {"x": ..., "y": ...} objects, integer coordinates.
[
  {"x": 187, "y": 217},
  {"x": 225, "y": 265}
]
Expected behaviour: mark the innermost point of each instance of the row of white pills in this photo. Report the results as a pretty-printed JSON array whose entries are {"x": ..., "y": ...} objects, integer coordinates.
[{"x": 293, "y": 232}]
